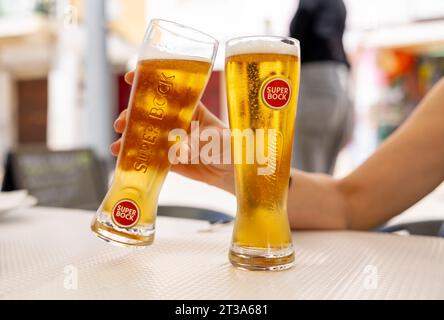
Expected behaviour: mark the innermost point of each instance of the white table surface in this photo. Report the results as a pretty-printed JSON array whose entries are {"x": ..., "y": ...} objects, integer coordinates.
[{"x": 43, "y": 250}]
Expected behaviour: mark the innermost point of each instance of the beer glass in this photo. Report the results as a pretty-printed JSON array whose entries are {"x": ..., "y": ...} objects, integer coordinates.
[
  {"x": 262, "y": 78},
  {"x": 173, "y": 69}
]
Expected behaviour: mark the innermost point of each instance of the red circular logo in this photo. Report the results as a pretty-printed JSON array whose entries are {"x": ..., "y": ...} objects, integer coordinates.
[
  {"x": 126, "y": 214},
  {"x": 276, "y": 93}
]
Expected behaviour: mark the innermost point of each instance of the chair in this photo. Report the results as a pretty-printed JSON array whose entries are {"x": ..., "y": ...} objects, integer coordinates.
[{"x": 68, "y": 179}]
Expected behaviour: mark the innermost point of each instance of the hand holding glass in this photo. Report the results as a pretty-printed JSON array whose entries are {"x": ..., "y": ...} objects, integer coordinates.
[{"x": 173, "y": 69}]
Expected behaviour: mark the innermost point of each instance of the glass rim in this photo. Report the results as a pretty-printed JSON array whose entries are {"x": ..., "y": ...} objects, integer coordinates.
[
  {"x": 264, "y": 37},
  {"x": 163, "y": 24}
]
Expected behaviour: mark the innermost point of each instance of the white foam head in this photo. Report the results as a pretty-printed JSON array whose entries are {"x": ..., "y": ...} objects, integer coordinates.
[
  {"x": 152, "y": 53},
  {"x": 167, "y": 40},
  {"x": 250, "y": 45}
]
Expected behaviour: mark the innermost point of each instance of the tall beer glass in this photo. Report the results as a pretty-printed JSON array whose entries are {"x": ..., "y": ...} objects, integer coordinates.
[
  {"x": 262, "y": 75},
  {"x": 173, "y": 69}
]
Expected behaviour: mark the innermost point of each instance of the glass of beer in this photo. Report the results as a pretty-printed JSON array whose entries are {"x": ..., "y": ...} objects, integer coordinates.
[
  {"x": 174, "y": 66},
  {"x": 262, "y": 77}
]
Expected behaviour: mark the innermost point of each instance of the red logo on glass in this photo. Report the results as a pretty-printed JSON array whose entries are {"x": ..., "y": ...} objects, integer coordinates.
[
  {"x": 276, "y": 93},
  {"x": 126, "y": 214}
]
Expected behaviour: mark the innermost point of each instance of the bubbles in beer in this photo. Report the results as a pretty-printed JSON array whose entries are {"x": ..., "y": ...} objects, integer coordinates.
[
  {"x": 164, "y": 97},
  {"x": 253, "y": 91},
  {"x": 262, "y": 216}
]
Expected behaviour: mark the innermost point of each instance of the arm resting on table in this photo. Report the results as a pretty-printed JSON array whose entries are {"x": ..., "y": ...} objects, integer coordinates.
[{"x": 407, "y": 167}]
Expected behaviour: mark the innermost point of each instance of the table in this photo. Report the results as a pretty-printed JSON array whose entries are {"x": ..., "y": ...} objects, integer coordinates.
[{"x": 51, "y": 254}]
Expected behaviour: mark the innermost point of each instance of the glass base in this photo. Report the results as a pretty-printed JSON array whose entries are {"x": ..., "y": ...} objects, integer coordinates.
[
  {"x": 135, "y": 237},
  {"x": 261, "y": 259}
]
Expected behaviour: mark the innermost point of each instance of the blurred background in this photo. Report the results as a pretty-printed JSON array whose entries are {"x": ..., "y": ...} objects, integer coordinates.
[{"x": 61, "y": 81}]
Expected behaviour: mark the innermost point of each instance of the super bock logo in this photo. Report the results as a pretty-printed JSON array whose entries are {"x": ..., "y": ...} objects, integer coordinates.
[
  {"x": 276, "y": 93},
  {"x": 126, "y": 214}
]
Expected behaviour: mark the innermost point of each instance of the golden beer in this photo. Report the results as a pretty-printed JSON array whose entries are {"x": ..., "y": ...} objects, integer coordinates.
[
  {"x": 165, "y": 93},
  {"x": 262, "y": 88}
]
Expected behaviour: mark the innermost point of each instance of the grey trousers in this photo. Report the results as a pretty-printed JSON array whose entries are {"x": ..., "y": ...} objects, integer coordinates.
[{"x": 325, "y": 118}]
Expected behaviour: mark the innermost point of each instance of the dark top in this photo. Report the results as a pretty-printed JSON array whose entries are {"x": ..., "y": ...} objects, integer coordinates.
[{"x": 319, "y": 26}]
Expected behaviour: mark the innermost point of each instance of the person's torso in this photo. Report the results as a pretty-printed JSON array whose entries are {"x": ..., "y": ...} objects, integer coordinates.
[{"x": 321, "y": 40}]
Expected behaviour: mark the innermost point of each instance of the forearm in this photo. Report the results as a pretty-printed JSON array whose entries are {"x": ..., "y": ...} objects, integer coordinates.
[
  {"x": 316, "y": 202},
  {"x": 408, "y": 166}
]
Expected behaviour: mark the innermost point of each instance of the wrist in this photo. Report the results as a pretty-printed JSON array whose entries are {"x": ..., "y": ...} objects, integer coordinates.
[
  {"x": 344, "y": 203},
  {"x": 221, "y": 178}
]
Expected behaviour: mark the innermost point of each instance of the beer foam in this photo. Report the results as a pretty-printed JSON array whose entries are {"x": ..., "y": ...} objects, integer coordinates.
[
  {"x": 251, "y": 46},
  {"x": 157, "y": 54}
]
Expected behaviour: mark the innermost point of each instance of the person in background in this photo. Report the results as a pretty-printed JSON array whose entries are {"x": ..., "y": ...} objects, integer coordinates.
[{"x": 325, "y": 116}]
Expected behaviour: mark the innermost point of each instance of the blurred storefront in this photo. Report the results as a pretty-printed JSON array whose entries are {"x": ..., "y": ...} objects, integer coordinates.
[
  {"x": 397, "y": 51},
  {"x": 42, "y": 65}
]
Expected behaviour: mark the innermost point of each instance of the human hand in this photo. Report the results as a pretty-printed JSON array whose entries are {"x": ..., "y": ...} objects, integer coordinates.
[{"x": 219, "y": 175}]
